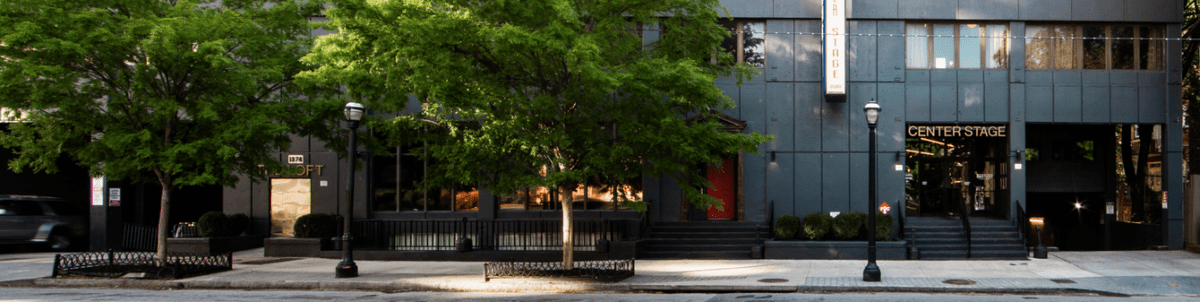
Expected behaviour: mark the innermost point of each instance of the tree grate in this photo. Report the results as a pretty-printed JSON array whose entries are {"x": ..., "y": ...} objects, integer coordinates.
[
  {"x": 604, "y": 270},
  {"x": 114, "y": 264}
]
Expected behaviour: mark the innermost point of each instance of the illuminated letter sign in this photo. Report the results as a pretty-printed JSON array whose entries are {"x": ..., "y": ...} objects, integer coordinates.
[{"x": 835, "y": 49}]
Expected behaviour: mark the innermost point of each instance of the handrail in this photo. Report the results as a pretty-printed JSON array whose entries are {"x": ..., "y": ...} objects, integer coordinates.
[
  {"x": 1022, "y": 224},
  {"x": 770, "y": 221},
  {"x": 966, "y": 223}
]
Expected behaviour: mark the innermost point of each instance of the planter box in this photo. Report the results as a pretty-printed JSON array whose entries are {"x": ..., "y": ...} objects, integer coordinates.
[
  {"x": 888, "y": 250},
  {"x": 292, "y": 247},
  {"x": 213, "y": 245}
]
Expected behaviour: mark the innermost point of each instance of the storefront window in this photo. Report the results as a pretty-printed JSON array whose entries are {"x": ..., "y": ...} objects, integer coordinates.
[
  {"x": 967, "y": 45},
  {"x": 597, "y": 194},
  {"x": 396, "y": 177},
  {"x": 1100, "y": 47}
]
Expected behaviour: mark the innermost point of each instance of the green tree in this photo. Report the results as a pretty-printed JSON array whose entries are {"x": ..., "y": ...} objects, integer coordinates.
[
  {"x": 541, "y": 93},
  {"x": 1191, "y": 79},
  {"x": 177, "y": 93}
]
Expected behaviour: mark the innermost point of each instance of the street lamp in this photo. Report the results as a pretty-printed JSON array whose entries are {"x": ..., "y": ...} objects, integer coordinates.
[
  {"x": 871, "y": 272},
  {"x": 347, "y": 268}
]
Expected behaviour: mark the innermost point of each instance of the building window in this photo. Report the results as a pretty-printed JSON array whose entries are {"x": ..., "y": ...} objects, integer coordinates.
[
  {"x": 396, "y": 177},
  {"x": 746, "y": 44},
  {"x": 1097, "y": 47},
  {"x": 954, "y": 46},
  {"x": 598, "y": 194}
]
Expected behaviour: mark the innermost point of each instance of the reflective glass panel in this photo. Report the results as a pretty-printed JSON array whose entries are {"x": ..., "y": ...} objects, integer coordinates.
[
  {"x": 970, "y": 45},
  {"x": 1093, "y": 47},
  {"x": 1038, "y": 46},
  {"x": 753, "y": 49},
  {"x": 1066, "y": 52},
  {"x": 918, "y": 45},
  {"x": 997, "y": 46},
  {"x": 943, "y": 46},
  {"x": 1122, "y": 47},
  {"x": 1150, "y": 51}
]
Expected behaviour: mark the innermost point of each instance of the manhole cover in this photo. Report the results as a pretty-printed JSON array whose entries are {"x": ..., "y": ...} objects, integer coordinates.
[
  {"x": 773, "y": 280},
  {"x": 1062, "y": 281},
  {"x": 959, "y": 282}
]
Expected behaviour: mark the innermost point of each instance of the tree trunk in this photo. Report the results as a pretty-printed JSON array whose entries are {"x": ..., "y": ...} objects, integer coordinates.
[
  {"x": 163, "y": 217},
  {"x": 568, "y": 248}
]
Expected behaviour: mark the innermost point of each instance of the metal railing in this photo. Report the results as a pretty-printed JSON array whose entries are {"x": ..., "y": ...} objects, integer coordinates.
[
  {"x": 966, "y": 225},
  {"x": 1023, "y": 225},
  {"x": 504, "y": 235},
  {"x": 113, "y": 264},
  {"x": 136, "y": 237}
]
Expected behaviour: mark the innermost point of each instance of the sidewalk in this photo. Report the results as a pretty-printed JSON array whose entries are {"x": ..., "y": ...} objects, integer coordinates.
[{"x": 1129, "y": 273}]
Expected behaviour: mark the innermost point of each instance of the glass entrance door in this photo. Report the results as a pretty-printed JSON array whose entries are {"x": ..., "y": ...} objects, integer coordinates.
[{"x": 948, "y": 175}]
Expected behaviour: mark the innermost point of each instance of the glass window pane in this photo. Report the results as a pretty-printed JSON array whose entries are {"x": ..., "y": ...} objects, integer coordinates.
[
  {"x": 540, "y": 199},
  {"x": 1122, "y": 47},
  {"x": 514, "y": 202},
  {"x": 997, "y": 46},
  {"x": 729, "y": 45},
  {"x": 918, "y": 45},
  {"x": 752, "y": 44},
  {"x": 1093, "y": 47},
  {"x": 1066, "y": 55},
  {"x": 1151, "y": 52},
  {"x": 440, "y": 200},
  {"x": 599, "y": 194},
  {"x": 970, "y": 45},
  {"x": 412, "y": 171},
  {"x": 631, "y": 191},
  {"x": 1038, "y": 46},
  {"x": 943, "y": 46},
  {"x": 466, "y": 198},
  {"x": 384, "y": 175}
]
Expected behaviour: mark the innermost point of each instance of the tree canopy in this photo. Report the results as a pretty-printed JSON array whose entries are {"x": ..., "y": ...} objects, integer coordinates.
[
  {"x": 541, "y": 93},
  {"x": 177, "y": 93}
]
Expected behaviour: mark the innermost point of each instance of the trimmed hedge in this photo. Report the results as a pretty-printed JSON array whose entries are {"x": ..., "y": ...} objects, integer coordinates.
[
  {"x": 213, "y": 224},
  {"x": 846, "y": 225},
  {"x": 238, "y": 223},
  {"x": 817, "y": 225},
  {"x": 787, "y": 226},
  {"x": 315, "y": 225},
  {"x": 883, "y": 226}
]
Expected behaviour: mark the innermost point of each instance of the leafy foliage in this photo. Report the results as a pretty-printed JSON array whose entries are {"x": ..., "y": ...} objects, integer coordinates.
[
  {"x": 177, "y": 93},
  {"x": 315, "y": 225},
  {"x": 238, "y": 223},
  {"x": 817, "y": 225},
  {"x": 847, "y": 225},
  {"x": 883, "y": 226},
  {"x": 787, "y": 226},
  {"x": 214, "y": 224},
  {"x": 549, "y": 93}
]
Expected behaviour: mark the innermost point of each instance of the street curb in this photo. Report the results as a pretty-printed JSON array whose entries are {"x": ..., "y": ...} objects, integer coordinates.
[{"x": 520, "y": 286}]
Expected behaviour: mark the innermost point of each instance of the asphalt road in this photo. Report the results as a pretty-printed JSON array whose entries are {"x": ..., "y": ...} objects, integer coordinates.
[{"x": 92, "y": 294}]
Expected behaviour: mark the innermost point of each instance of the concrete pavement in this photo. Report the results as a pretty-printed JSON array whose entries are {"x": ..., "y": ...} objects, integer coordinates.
[{"x": 1127, "y": 273}]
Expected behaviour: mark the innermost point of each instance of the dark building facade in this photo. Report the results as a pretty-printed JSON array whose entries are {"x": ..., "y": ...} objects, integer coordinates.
[{"x": 999, "y": 109}]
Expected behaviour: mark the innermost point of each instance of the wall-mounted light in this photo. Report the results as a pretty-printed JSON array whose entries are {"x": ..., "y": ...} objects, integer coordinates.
[
  {"x": 772, "y": 156},
  {"x": 1019, "y": 155}
]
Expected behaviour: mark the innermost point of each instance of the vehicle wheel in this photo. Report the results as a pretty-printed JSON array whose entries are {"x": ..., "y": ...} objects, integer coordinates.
[{"x": 58, "y": 241}]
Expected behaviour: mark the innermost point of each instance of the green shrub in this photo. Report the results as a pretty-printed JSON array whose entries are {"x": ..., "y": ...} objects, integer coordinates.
[
  {"x": 787, "y": 226},
  {"x": 213, "y": 224},
  {"x": 238, "y": 223},
  {"x": 846, "y": 225},
  {"x": 883, "y": 226},
  {"x": 816, "y": 225},
  {"x": 315, "y": 225}
]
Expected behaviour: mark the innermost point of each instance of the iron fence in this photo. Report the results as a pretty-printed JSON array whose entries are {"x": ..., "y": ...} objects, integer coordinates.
[
  {"x": 136, "y": 237},
  {"x": 113, "y": 264},
  {"x": 503, "y": 235},
  {"x": 606, "y": 270}
]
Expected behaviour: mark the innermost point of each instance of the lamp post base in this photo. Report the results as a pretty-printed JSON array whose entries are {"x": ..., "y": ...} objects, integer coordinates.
[
  {"x": 346, "y": 269},
  {"x": 1040, "y": 252},
  {"x": 871, "y": 273}
]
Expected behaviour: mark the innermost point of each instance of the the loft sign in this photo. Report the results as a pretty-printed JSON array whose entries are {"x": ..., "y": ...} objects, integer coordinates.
[
  {"x": 957, "y": 131},
  {"x": 835, "y": 49}
]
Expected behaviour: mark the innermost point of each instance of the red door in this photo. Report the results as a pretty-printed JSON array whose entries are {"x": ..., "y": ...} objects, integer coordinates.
[{"x": 724, "y": 189}]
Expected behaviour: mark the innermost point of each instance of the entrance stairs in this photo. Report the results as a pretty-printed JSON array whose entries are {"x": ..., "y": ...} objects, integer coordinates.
[
  {"x": 703, "y": 240},
  {"x": 943, "y": 238}
]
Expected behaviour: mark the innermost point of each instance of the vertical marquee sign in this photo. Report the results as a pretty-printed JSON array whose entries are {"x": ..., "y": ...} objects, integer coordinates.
[{"x": 835, "y": 50}]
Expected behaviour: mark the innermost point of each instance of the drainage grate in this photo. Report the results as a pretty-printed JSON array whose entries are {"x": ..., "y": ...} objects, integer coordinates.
[
  {"x": 959, "y": 282},
  {"x": 773, "y": 280},
  {"x": 1062, "y": 281}
]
